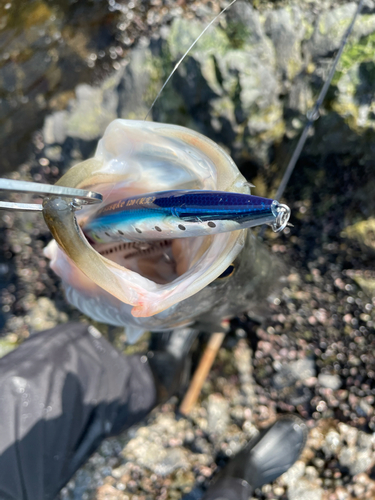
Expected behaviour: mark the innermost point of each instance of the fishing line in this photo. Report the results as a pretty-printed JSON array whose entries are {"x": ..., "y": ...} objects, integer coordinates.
[
  {"x": 313, "y": 114},
  {"x": 186, "y": 53}
]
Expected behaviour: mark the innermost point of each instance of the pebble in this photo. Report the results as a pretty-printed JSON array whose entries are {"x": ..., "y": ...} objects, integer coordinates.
[
  {"x": 217, "y": 414},
  {"x": 304, "y": 490},
  {"x": 332, "y": 443},
  {"x": 294, "y": 474},
  {"x": 330, "y": 381},
  {"x": 45, "y": 315},
  {"x": 288, "y": 374}
]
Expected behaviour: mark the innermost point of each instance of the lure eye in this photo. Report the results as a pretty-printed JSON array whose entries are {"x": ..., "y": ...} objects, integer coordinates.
[{"x": 228, "y": 272}]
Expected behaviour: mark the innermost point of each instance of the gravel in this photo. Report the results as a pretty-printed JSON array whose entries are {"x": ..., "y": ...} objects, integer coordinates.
[{"x": 313, "y": 356}]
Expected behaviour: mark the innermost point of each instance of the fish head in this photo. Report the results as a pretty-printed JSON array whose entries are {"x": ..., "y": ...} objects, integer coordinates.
[{"x": 142, "y": 287}]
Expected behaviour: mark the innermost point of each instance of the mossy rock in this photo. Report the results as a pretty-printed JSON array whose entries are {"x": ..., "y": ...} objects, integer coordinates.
[
  {"x": 362, "y": 232},
  {"x": 366, "y": 284},
  {"x": 184, "y": 32},
  {"x": 7, "y": 345}
]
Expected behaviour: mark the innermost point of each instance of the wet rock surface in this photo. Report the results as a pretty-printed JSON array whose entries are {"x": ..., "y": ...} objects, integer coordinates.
[
  {"x": 314, "y": 355},
  {"x": 48, "y": 48},
  {"x": 247, "y": 84}
]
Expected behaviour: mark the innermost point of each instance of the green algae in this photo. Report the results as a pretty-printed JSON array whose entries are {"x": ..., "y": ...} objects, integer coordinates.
[
  {"x": 363, "y": 232},
  {"x": 355, "y": 53},
  {"x": 366, "y": 284},
  {"x": 183, "y": 33},
  {"x": 337, "y": 29},
  {"x": 238, "y": 34},
  {"x": 7, "y": 345},
  {"x": 294, "y": 66}
]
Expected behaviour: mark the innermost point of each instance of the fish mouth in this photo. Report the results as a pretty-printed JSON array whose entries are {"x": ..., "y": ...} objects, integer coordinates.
[
  {"x": 160, "y": 261},
  {"x": 154, "y": 261},
  {"x": 133, "y": 158}
]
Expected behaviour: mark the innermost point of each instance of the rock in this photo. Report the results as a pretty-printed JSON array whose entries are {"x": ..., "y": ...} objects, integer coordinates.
[
  {"x": 366, "y": 284},
  {"x": 364, "y": 409},
  {"x": 53, "y": 153},
  {"x": 226, "y": 87},
  {"x": 329, "y": 381},
  {"x": 171, "y": 460},
  {"x": 332, "y": 443},
  {"x": 54, "y": 129},
  {"x": 365, "y": 441},
  {"x": 108, "y": 492},
  {"x": 364, "y": 460},
  {"x": 245, "y": 85},
  {"x": 218, "y": 414},
  {"x": 88, "y": 114},
  {"x": 294, "y": 474},
  {"x": 362, "y": 232},
  {"x": 305, "y": 490},
  {"x": 331, "y": 26},
  {"x": 243, "y": 360},
  {"x": 154, "y": 457},
  {"x": 44, "y": 315},
  {"x": 244, "y": 23},
  {"x": 356, "y": 460},
  {"x": 311, "y": 473},
  {"x": 299, "y": 487},
  {"x": 286, "y": 30},
  {"x": 288, "y": 374},
  {"x": 342, "y": 493},
  {"x": 136, "y": 84},
  {"x": 7, "y": 344},
  {"x": 350, "y": 434},
  {"x": 150, "y": 446},
  {"x": 46, "y": 54}
]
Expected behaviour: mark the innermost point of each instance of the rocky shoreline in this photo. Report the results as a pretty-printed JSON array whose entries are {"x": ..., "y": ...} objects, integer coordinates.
[{"x": 314, "y": 354}]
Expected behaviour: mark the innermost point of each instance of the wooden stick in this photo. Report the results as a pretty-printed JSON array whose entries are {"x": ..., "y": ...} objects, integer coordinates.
[{"x": 201, "y": 372}]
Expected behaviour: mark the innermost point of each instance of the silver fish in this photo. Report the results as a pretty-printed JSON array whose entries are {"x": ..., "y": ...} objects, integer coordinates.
[{"x": 162, "y": 285}]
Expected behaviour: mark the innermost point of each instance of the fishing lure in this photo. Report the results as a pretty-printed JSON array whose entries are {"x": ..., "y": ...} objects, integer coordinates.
[{"x": 183, "y": 214}]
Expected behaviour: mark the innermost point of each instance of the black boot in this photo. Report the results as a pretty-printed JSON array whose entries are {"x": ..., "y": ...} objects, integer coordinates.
[
  {"x": 170, "y": 361},
  {"x": 264, "y": 459}
]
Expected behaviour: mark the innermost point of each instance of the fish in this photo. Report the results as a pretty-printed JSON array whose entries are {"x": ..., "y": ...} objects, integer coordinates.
[
  {"x": 164, "y": 284},
  {"x": 183, "y": 214}
]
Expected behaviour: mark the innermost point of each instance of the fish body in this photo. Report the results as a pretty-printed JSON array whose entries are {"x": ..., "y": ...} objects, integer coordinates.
[
  {"x": 181, "y": 214},
  {"x": 245, "y": 285},
  {"x": 156, "y": 285}
]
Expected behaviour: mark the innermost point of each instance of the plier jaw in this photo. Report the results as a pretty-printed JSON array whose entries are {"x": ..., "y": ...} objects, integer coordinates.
[{"x": 79, "y": 197}]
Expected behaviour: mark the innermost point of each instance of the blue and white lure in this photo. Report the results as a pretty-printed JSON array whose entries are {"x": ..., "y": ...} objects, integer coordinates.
[{"x": 183, "y": 214}]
